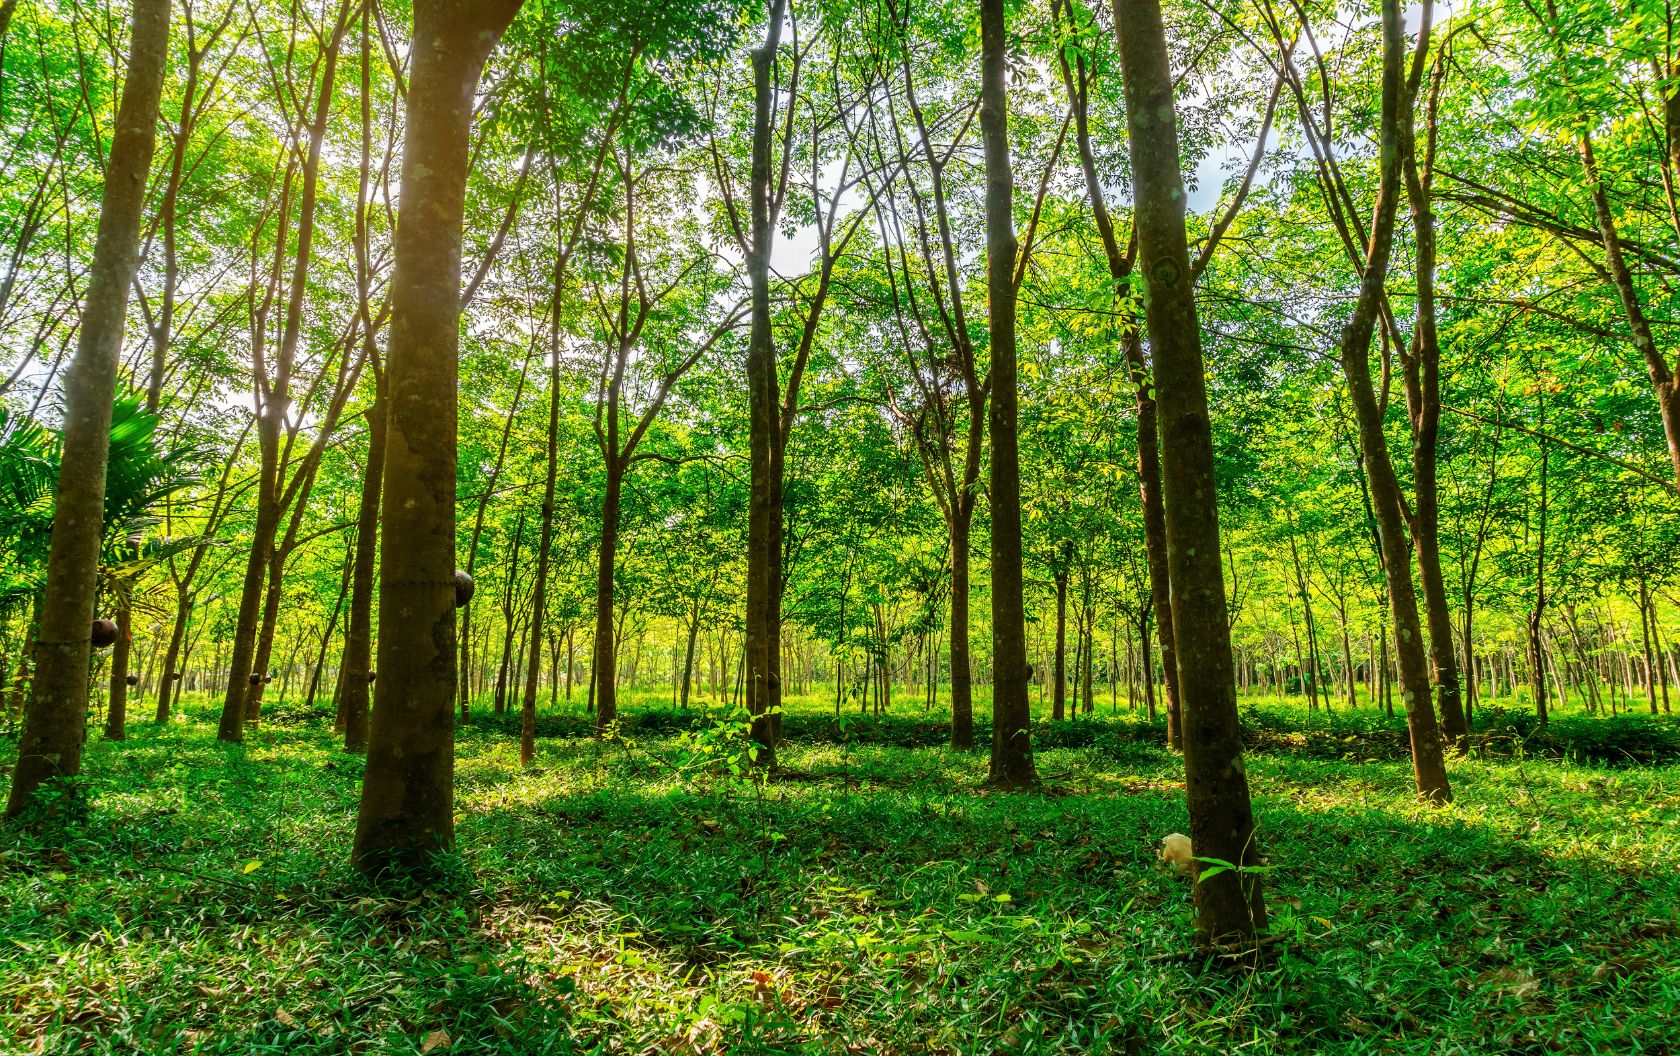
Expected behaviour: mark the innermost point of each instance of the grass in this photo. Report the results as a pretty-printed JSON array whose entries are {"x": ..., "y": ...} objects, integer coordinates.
[{"x": 632, "y": 898}]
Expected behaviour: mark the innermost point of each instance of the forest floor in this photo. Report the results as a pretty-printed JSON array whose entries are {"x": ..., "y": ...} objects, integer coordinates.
[{"x": 638, "y": 897}]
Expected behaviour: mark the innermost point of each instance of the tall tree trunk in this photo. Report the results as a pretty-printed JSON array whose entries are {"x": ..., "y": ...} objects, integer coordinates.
[
  {"x": 1423, "y": 396},
  {"x": 1058, "y": 693},
  {"x": 478, "y": 531},
  {"x": 688, "y": 656},
  {"x": 332, "y": 623},
  {"x": 1646, "y": 618},
  {"x": 408, "y": 788},
  {"x": 1309, "y": 662},
  {"x": 1229, "y": 906},
  {"x": 539, "y": 594},
  {"x": 1012, "y": 754},
  {"x": 357, "y": 663},
  {"x": 764, "y": 427},
  {"x": 1536, "y": 616},
  {"x": 962, "y": 664},
  {"x": 1663, "y": 378},
  {"x": 116, "y": 708},
  {"x": 1388, "y": 503},
  {"x": 606, "y": 637},
  {"x": 241, "y": 702},
  {"x": 1148, "y": 437},
  {"x": 169, "y": 683},
  {"x": 53, "y": 724}
]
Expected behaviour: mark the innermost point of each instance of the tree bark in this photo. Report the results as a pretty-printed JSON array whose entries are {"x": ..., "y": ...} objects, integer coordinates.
[
  {"x": 407, "y": 805},
  {"x": 1428, "y": 759},
  {"x": 1423, "y": 396},
  {"x": 688, "y": 657},
  {"x": 764, "y": 427},
  {"x": 332, "y": 624},
  {"x": 1148, "y": 436},
  {"x": 1663, "y": 378},
  {"x": 962, "y": 669},
  {"x": 1229, "y": 906},
  {"x": 1536, "y": 616},
  {"x": 241, "y": 703},
  {"x": 357, "y": 663},
  {"x": 53, "y": 725},
  {"x": 169, "y": 686},
  {"x": 1012, "y": 754},
  {"x": 539, "y": 594},
  {"x": 606, "y": 637},
  {"x": 116, "y": 707},
  {"x": 1058, "y": 694}
]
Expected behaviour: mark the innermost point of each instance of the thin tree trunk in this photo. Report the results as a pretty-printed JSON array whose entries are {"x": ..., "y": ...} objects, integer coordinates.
[
  {"x": 332, "y": 622},
  {"x": 1423, "y": 395},
  {"x": 1148, "y": 434},
  {"x": 764, "y": 427},
  {"x": 1536, "y": 653},
  {"x": 688, "y": 655},
  {"x": 1058, "y": 694},
  {"x": 1646, "y": 618},
  {"x": 116, "y": 710},
  {"x": 357, "y": 662},
  {"x": 1012, "y": 754},
  {"x": 539, "y": 601},
  {"x": 606, "y": 654},
  {"x": 962, "y": 671},
  {"x": 53, "y": 725},
  {"x": 242, "y": 701},
  {"x": 1428, "y": 756},
  {"x": 1229, "y": 906}
]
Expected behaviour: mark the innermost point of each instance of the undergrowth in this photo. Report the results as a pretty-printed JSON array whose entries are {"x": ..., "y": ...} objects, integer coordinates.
[{"x": 637, "y": 895}]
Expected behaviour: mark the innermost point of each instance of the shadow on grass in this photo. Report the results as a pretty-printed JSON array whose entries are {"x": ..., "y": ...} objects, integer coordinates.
[{"x": 884, "y": 903}]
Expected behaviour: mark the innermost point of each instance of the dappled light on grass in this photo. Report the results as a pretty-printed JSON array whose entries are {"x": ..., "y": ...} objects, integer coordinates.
[{"x": 877, "y": 899}]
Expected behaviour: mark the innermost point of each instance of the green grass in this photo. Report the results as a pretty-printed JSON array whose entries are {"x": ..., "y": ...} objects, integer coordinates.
[{"x": 625, "y": 898}]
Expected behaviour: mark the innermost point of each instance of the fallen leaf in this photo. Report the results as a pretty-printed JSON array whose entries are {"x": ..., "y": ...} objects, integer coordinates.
[
  {"x": 1513, "y": 981},
  {"x": 437, "y": 1039}
]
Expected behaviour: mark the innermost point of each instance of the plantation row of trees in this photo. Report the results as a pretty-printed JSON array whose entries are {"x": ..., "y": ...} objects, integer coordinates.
[{"x": 499, "y": 354}]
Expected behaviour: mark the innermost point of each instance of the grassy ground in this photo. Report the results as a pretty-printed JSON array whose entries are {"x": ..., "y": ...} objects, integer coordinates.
[{"x": 637, "y": 898}]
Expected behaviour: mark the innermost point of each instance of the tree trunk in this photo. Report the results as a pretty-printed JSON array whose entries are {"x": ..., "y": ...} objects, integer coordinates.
[
  {"x": 407, "y": 805},
  {"x": 357, "y": 662},
  {"x": 1229, "y": 906},
  {"x": 688, "y": 656},
  {"x": 1646, "y": 619},
  {"x": 1012, "y": 754},
  {"x": 332, "y": 622},
  {"x": 1058, "y": 694},
  {"x": 1423, "y": 395},
  {"x": 242, "y": 701},
  {"x": 606, "y": 639},
  {"x": 962, "y": 672},
  {"x": 762, "y": 654},
  {"x": 265, "y": 635},
  {"x": 539, "y": 597},
  {"x": 1536, "y": 652},
  {"x": 1428, "y": 758},
  {"x": 1148, "y": 438},
  {"x": 169, "y": 684},
  {"x": 54, "y": 722},
  {"x": 116, "y": 710}
]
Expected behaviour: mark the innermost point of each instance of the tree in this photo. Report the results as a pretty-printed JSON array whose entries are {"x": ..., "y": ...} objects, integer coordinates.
[
  {"x": 51, "y": 746},
  {"x": 1229, "y": 906},
  {"x": 1012, "y": 757},
  {"x": 1428, "y": 758},
  {"x": 408, "y": 802}
]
